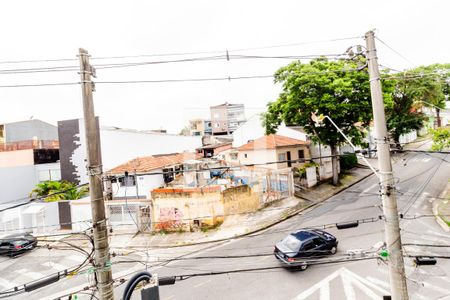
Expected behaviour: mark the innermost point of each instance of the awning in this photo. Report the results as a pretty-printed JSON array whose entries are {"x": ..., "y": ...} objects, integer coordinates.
[{"x": 33, "y": 209}]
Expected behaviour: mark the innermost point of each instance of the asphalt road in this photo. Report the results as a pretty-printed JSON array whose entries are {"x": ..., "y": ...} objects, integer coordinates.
[{"x": 420, "y": 178}]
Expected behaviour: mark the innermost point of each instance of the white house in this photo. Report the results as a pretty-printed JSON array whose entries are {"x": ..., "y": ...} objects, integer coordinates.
[{"x": 273, "y": 148}]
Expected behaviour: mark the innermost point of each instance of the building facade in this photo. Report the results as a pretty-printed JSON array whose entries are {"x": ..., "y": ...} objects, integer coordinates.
[
  {"x": 117, "y": 147},
  {"x": 226, "y": 118},
  {"x": 267, "y": 150},
  {"x": 27, "y": 131},
  {"x": 200, "y": 127}
]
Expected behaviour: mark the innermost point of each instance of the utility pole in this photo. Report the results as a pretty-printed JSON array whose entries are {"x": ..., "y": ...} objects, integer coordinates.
[
  {"x": 397, "y": 275},
  {"x": 94, "y": 167}
]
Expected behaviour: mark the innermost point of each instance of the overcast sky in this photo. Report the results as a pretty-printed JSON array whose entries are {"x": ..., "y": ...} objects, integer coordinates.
[{"x": 37, "y": 30}]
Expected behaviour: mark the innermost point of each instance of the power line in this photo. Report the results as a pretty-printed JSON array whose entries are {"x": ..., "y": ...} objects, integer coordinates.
[
  {"x": 39, "y": 84},
  {"x": 396, "y": 52},
  {"x": 43, "y": 197}
]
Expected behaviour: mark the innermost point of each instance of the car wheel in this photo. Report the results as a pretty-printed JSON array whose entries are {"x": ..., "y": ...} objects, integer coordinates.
[
  {"x": 333, "y": 250},
  {"x": 303, "y": 267}
]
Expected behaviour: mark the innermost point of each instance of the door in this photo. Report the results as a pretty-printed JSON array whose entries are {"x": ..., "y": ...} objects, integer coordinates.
[
  {"x": 65, "y": 219},
  {"x": 288, "y": 157}
]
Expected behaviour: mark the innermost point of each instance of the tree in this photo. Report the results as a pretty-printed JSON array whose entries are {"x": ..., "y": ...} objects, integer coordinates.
[
  {"x": 441, "y": 139},
  {"x": 185, "y": 131},
  {"x": 59, "y": 190},
  {"x": 429, "y": 86},
  {"x": 401, "y": 115},
  {"x": 334, "y": 88}
]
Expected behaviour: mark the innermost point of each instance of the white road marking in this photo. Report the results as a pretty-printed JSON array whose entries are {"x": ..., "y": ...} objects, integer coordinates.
[
  {"x": 348, "y": 288},
  {"x": 325, "y": 292},
  {"x": 349, "y": 279},
  {"x": 318, "y": 285},
  {"x": 366, "y": 282}
]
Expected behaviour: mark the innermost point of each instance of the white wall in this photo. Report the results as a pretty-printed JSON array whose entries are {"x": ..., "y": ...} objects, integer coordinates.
[
  {"x": 253, "y": 129},
  {"x": 80, "y": 210},
  {"x": 16, "y": 182},
  {"x": 259, "y": 156},
  {"x": 119, "y": 146},
  {"x": 145, "y": 183},
  {"x": 16, "y": 158}
]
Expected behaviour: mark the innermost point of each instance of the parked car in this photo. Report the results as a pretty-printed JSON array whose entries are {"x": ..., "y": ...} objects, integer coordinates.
[
  {"x": 18, "y": 243},
  {"x": 298, "y": 246}
]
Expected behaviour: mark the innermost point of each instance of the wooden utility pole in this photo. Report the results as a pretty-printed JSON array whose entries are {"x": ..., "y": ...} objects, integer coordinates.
[
  {"x": 397, "y": 275},
  {"x": 94, "y": 167}
]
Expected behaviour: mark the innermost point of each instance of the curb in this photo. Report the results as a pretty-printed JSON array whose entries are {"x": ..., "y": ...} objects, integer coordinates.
[
  {"x": 435, "y": 209},
  {"x": 292, "y": 214}
]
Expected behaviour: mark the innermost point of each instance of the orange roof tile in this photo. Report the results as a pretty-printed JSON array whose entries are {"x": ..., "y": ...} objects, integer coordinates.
[
  {"x": 153, "y": 162},
  {"x": 271, "y": 142}
]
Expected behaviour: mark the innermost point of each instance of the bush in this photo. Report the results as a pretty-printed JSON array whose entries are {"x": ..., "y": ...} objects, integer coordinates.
[{"x": 348, "y": 161}]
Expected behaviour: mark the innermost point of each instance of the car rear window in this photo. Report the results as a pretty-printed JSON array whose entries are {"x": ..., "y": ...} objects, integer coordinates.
[{"x": 292, "y": 243}]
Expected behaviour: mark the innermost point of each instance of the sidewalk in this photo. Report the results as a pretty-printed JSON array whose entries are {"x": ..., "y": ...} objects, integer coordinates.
[{"x": 240, "y": 225}]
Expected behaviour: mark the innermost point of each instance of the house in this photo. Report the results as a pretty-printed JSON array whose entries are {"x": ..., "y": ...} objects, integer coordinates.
[
  {"x": 214, "y": 149},
  {"x": 133, "y": 180},
  {"x": 273, "y": 148},
  {"x": 200, "y": 127},
  {"x": 226, "y": 118},
  {"x": 25, "y": 163},
  {"x": 117, "y": 146}
]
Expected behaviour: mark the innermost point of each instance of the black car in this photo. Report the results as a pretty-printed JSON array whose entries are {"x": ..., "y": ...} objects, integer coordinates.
[
  {"x": 18, "y": 243},
  {"x": 311, "y": 243}
]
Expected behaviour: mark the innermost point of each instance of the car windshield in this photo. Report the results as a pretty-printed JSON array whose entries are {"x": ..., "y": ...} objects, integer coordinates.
[{"x": 292, "y": 243}]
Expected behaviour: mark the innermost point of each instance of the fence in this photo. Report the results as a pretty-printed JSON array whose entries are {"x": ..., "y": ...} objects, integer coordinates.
[{"x": 272, "y": 185}]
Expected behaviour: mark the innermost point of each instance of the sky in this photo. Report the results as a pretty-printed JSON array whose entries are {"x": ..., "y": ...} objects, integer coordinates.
[{"x": 137, "y": 31}]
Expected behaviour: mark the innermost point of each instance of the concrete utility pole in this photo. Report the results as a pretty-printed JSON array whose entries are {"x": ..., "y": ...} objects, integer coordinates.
[
  {"x": 94, "y": 167},
  {"x": 397, "y": 275}
]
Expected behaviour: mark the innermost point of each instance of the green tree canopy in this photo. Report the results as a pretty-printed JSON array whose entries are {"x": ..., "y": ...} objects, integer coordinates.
[
  {"x": 334, "y": 88},
  {"x": 428, "y": 86},
  {"x": 59, "y": 190},
  {"x": 441, "y": 139}
]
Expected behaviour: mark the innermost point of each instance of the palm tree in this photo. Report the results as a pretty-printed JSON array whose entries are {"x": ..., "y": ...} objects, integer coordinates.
[{"x": 59, "y": 190}]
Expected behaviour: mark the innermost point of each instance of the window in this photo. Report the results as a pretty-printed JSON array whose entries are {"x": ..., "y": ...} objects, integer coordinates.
[
  {"x": 308, "y": 246},
  {"x": 318, "y": 242},
  {"x": 301, "y": 154},
  {"x": 245, "y": 155},
  {"x": 281, "y": 156},
  {"x": 128, "y": 181}
]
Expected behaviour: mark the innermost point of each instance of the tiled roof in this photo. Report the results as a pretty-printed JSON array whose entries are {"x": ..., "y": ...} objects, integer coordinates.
[
  {"x": 271, "y": 142},
  {"x": 153, "y": 162}
]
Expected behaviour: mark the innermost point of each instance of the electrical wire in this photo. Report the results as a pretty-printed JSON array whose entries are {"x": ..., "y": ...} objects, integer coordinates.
[
  {"x": 35, "y": 199},
  {"x": 396, "y": 52}
]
